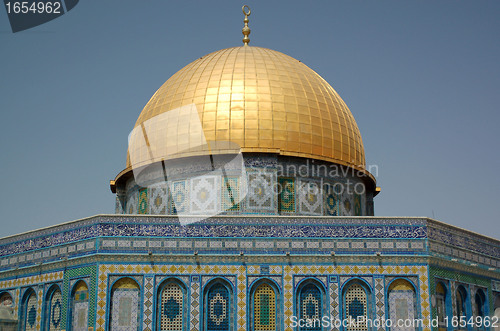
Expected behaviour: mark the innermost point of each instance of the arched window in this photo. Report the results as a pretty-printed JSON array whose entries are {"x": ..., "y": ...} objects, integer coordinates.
[
  {"x": 29, "y": 309},
  {"x": 310, "y": 306},
  {"x": 497, "y": 308},
  {"x": 441, "y": 307},
  {"x": 53, "y": 309},
  {"x": 172, "y": 308},
  {"x": 356, "y": 305},
  {"x": 125, "y": 307},
  {"x": 402, "y": 303},
  {"x": 218, "y": 307},
  {"x": 5, "y": 300},
  {"x": 264, "y": 307},
  {"x": 461, "y": 301},
  {"x": 79, "y": 308},
  {"x": 480, "y": 300},
  {"x": 480, "y": 305}
]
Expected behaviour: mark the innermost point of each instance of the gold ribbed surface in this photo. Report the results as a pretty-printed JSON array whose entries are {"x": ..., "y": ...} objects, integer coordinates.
[{"x": 264, "y": 101}]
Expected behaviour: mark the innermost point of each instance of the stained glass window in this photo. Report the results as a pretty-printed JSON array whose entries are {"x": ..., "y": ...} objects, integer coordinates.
[
  {"x": 218, "y": 308},
  {"x": 53, "y": 309},
  {"x": 355, "y": 305},
  {"x": 310, "y": 307},
  {"x": 171, "y": 308},
  {"x": 264, "y": 307},
  {"x": 29, "y": 311}
]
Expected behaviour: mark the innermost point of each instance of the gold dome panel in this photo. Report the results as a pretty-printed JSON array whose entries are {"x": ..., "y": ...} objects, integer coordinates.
[{"x": 262, "y": 100}]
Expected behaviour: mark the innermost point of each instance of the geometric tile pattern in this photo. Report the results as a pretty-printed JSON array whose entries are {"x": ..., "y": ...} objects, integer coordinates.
[
  {"x": 380, "y": 299},
  {"x": 239, "y": 281},
  {"x": 311, "y": 306},
  {"x": 288, "y": 295},
  {"x": 367, "y": 279},
  {"x": 334, "y": 302},
  {"x": 231, "y": 194},
  {"x": 40, "y": 306},
  {"x": 331, "y": 200},
  {"x": 88, "y": 274},
  {"x": 132, "y": 204},
  {"x": 218, "y": 308},
  {"x": 346, "y": 204},
  {"x": 158, "y": 199},
  {"x": 310, "y": 197},
  {"x": 353, "y": 270},
  {"x": 124, "y": 309},
  {"x": 36, "y": 279},
  {"x": 118, "y": 206},
  {"x": 261, "y": 167},
  {"x": 206, "y": 279},
  {"x": 26, "y": 281},
  {"x": 141, "y": 227},
  {"x": 180, "y": 194},
  {"x": 241, "y": 291},
  {"x": 260, "y": 191},
  {"x": 54, "y": 311},
  {"x": 195, "y": 303},
  {"x": 149, "y": 270},
  {"x": 80, "y": 316},
  {"x": 80, "y": 306},
  {"x": 30, "y": 313},
  {"x": 148, "y": 303},
  {"x": 205, "y": 191},
  {"x": 264, "y": 308},
  {"x": 401, "y": 307},
  {"x": 142, "y": 206},
  {"x": 15, "y": 303},
  {"x": 172, "y": 308},
  {"x": 287, "y": 195},
  {"x": 356, "y": 306},
  {"x": 479, "y": 250},
  {"x": 453, "y": 298}
]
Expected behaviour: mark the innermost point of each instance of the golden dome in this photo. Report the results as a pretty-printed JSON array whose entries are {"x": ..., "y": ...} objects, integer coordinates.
[{"x": 262, "y": 100}]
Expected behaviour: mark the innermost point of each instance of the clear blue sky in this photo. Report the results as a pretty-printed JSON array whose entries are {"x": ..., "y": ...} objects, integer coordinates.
[{"x": 422, "y": 79}]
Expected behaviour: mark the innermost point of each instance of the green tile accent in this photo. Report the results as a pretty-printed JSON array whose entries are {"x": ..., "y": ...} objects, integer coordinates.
[
  {"x": 264, "y": 309},
  {"x": 447, "y": 274},
  {"x": 287, "y": 195},
  {"x": 142, "y": 205},
  {"x": 83, "y": 272}
]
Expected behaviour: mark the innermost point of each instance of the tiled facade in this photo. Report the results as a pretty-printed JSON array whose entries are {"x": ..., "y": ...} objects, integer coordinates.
[
  {"x": 243, "y": 273},
  {"x": 275, "y": 186}
]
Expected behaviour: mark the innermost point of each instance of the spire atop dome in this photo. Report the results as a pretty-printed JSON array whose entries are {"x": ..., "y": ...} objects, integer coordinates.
[{"x": 246, "y": 29}]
